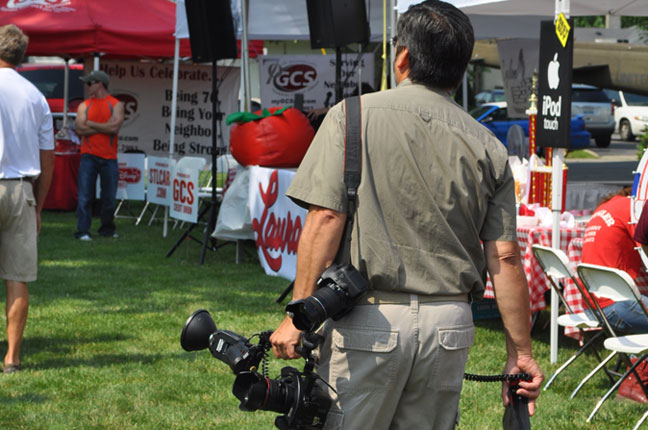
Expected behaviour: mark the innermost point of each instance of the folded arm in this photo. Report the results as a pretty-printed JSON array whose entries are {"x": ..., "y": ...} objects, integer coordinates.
[
  {"x": 85, "y": 127},
  {"x": 113, "y": 124}
]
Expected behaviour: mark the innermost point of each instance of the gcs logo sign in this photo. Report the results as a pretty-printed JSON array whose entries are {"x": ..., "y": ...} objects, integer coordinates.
[
  {"x": 295, "y": 77},
  {"x": 130, "y": 106}
]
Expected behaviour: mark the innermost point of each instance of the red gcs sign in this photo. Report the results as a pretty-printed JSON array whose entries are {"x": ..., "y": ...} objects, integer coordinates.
[
  {"x": 295, "y": 77},
  {"x": 183, "y": 191}
]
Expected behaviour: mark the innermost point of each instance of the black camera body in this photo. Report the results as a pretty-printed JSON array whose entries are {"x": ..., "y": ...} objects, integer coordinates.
[
  {"x": 235, "y": 350},
  {"x": 338, "y": 290}
]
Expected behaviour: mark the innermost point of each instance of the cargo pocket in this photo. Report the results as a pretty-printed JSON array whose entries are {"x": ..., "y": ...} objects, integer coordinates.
[
  {"x": 363, "y": 359},
  {"x": 452, "y": 355}
]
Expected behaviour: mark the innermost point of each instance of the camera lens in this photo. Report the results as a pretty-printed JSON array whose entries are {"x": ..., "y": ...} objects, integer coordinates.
[
  {"x": 308, "y": 313},
  {"x": 258, "y": 392}
]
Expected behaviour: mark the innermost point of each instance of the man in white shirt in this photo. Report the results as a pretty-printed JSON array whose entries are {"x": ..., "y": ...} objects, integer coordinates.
[{"x": 26, "y": 166}]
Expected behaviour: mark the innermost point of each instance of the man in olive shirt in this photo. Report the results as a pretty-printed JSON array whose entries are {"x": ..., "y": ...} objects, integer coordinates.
[{"x": 435, "y": 184}]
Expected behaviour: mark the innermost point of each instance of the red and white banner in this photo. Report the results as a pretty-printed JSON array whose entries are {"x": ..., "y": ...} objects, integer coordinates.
[
  {"x": 276, "y": 221},
  {"x": 131, "y": 176},
  {"x": 159, "y": 180},
  {"x": 184, "y": 202}
]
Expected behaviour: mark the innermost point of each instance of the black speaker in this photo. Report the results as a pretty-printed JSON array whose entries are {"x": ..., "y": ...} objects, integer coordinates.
[
  {"x": 211, "y": 30},
  {"x": 335, "y": 23}
]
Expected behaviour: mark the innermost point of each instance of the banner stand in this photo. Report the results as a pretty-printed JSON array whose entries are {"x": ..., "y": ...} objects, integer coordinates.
[{"x": 208, "y": 242}]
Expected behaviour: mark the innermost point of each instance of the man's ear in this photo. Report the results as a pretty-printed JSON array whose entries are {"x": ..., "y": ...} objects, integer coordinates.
[{"x": 402, "y": 61}]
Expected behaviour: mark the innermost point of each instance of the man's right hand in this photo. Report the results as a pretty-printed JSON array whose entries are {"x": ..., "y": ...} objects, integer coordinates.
[{"x": 284, "y": 340}]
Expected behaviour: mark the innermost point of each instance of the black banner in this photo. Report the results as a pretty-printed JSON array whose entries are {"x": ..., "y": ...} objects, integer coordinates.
[{"x": 554, "y": 83}]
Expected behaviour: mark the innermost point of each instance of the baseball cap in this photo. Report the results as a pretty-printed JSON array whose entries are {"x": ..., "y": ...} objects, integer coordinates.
[{"x": 96, "y": 75}]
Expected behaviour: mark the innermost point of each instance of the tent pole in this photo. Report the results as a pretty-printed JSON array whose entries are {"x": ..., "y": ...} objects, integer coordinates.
[
  {"x": 174, "y": 103},
  {"x": 63, "y": 132},
  {"x": 393, "y": 18},
  {"x": 562, "y": 6},
  {"x": 245, "y": 59}
]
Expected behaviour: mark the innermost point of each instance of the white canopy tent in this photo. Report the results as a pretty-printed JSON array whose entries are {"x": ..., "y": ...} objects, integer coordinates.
[{"x": 288, "y": 20}]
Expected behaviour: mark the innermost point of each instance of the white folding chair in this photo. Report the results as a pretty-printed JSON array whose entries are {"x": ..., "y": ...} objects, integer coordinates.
[
  {"x": 555, "y": 265},
  {"x": 191, "y": 163},
  {"x": 617, "y": 285},
  {"x": 635, "y": 344}
]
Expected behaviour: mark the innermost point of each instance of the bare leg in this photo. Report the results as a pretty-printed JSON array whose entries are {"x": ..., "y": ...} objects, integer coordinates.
[{"x": 16, "y": 311}]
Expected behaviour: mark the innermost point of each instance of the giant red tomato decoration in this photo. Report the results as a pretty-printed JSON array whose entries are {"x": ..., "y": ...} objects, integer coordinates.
[{"x": 278, "y": 139}]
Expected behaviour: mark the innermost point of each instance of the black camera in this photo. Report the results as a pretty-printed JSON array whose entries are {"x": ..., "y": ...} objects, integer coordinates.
[
  {"x": 338, "y": 290},
  {"x": 303, "y": 403},
  {"x": 295, "y": 394},
  {"x": 232, "y": 349}
]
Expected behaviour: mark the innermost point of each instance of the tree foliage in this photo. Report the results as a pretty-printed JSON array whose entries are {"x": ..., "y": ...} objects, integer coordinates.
[{"x": 626, "y": 21}]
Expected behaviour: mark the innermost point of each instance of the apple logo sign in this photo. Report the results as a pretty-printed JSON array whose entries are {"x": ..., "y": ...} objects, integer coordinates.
[{"x": 552, "y": 72}]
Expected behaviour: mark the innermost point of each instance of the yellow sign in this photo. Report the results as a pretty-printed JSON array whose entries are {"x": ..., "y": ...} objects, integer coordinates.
[{"x": 562, "y": 29}]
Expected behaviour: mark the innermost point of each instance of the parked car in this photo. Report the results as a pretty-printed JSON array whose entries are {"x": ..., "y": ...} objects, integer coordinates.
[
  {"x": 630, "y": 113},
  {"x": 49, "y": 79},
  {"x": 495, "y": 117},
  {"x": 597, "y": 110},
  {"x": 496, "y": 95}
]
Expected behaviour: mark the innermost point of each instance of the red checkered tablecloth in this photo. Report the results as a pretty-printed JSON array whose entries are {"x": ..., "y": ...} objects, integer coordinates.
[
  {"x": 538, "y": 283},
  {"x": 573, "y": 296}
]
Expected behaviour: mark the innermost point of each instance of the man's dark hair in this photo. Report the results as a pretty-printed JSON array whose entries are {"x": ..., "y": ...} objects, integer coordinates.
[{"x": 439, "y": 39}]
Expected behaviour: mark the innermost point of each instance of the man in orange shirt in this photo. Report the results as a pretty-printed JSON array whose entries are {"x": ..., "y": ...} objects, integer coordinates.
[{"x": 98, "y": 121}]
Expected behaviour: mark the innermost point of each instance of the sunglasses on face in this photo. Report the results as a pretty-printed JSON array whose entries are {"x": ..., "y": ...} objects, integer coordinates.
[{"x": 90, "y": 83}]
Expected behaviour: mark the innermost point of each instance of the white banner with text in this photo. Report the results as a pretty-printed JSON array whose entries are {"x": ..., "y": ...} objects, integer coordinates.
[
  {"x": 283, "y": 76},
  {"x": 131, "y": 176},
  {"x": 159, "y": 180},
  {"x": 146, "y": 89}
]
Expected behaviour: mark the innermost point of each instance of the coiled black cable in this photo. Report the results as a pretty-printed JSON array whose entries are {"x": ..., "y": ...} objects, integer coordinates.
[{"x": 508, "y": 377}]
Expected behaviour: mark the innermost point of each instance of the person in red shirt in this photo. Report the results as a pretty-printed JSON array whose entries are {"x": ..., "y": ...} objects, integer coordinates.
[
  {"x": 98, "y": 121},
  {"x": 641, "y": 231},
  {"x": 608, "y": 241}
]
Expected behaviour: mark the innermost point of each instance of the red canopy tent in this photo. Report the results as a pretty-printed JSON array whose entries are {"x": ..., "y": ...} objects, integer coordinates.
[
  {"x": 117, "y": 28},
  {"x": 67, "y": 28}
]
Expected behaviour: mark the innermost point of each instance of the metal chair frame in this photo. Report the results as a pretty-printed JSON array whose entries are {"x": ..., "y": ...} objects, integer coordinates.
[
  {"x": 555, "y": 265},
  {"x": 617, "y": 285}
]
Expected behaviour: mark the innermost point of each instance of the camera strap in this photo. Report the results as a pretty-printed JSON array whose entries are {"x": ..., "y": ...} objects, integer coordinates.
[{"x": 352, "y": 168}]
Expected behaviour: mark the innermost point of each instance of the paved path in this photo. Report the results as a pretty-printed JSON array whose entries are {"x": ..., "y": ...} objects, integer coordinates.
[{"x": 615, "y": 164}]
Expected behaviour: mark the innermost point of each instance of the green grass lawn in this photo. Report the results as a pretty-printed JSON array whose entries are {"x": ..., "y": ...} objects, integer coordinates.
[{"x": 102, "y": 350}]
